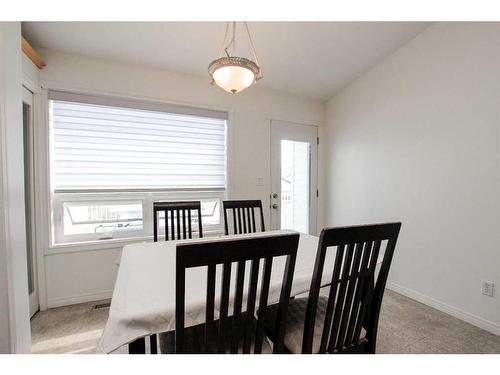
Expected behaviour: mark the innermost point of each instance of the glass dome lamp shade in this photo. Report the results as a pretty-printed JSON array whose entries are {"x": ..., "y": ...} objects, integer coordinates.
[{"x": 234, "y": 74}]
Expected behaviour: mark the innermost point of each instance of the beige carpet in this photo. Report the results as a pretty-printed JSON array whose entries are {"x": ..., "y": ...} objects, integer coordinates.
[
  {"x": 68, "y": 329},
  {"x": 406, "y": 326}
]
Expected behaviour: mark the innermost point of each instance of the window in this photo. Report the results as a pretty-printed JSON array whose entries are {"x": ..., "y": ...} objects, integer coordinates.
[{"x": 111, "y": 159}]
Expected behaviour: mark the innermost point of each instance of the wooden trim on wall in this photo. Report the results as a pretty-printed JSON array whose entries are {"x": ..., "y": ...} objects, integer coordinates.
[{"x": 32, "y": 54}]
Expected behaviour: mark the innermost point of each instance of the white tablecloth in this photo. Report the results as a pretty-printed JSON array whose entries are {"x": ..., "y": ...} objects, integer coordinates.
[{"x": 143, "y": 300}]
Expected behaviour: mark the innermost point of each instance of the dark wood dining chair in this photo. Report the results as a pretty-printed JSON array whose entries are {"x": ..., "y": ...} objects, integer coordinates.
[
  {"x": 243, "y": 216},
  {"x": 346, "y": 319},
  {"x": 240, "y": 332},
  {"x": 178, "y": 219}
]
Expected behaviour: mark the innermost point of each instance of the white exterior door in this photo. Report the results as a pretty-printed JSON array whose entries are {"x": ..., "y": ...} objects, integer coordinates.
[{"x": 294, "y": 176}]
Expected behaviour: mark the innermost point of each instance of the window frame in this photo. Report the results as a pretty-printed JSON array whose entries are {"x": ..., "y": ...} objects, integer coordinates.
[
  {"x": 146, "y": 197},
  {"x": 57, "y": 239}
]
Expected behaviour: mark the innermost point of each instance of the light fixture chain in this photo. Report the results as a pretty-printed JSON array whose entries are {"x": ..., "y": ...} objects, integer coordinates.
[
  {"x": 251, "y": 45},
  {"x": 233, "y": 41},
  {"x": 224, "y": 46}
]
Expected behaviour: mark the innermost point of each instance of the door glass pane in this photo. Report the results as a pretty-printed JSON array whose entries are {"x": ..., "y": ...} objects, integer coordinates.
[{"x": 295, "y": 185}]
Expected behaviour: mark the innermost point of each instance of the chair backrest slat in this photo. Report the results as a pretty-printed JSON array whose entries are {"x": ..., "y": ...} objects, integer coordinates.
[
  {"x": 171, "y": 214},
  {"x": 224, "y": 306},
  {"x": 280, "y": 324},
  {"x": 238, "y": 303},
  {"x": 358, "y": 295},
  {"x": 252, "y": 293},
  {"x": 200, "y": 226},
  {"x": 155, "y": 223},
  {"x": 259, "y": 336},
  {"x": 254, "y": 227},
  {"x": 341, "y": 296},
  {"x": 243, "y": 212},
  {"x": 209, "y": 310},
  {"x": 221, "y": 335},
  {"x": 178, "y": 219},
  {"x": 180, "y": 289},
  {"x": 369, "y": 288},
  {"x": 331, "y": 300},
  {"x": 178, "y": 214},
  {"x": 155, "y": 230},
  {"x": 358, "y": 249},
  {"x": 355, "y": 296},
  {"x": 184, "y": 223}
]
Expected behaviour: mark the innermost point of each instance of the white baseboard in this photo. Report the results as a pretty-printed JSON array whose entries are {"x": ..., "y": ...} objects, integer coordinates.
[
  {"x": 82, "y": 298},
  {"x": 426, "y": 300},
  {"x": 448, "y": 309}
]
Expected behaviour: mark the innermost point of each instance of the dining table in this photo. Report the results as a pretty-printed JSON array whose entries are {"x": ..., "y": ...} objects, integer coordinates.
[{"x": 143, "y": 301}]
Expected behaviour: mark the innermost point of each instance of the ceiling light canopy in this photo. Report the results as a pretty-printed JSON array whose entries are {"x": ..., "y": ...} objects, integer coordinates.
[{"x": 232, "y": 73}]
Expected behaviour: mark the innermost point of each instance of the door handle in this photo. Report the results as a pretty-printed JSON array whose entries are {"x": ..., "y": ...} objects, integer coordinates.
[
  {"x": 275, "y": 206},
  {"x": 275, "y": 195}
]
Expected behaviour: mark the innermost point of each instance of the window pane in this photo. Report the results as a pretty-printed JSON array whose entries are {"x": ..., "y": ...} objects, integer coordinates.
[
  {"x": 295, "y": 185},
  {"x": 101, "y": 218}
]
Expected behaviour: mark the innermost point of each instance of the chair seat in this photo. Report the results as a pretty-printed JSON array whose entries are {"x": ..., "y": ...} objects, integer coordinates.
[
  {"x": 295, "y": 323},
  {"x": 194, "y": 342}
]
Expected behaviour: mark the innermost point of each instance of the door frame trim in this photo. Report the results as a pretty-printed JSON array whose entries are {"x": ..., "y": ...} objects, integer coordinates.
[
  {"x": 316, "y": 200},
  {"x": 34, "y": 298},
  {"x": 39, "y": 115}
]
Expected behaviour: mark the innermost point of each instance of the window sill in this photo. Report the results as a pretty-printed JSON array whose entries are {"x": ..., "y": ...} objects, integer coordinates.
[{"x": 110, "y": 244}]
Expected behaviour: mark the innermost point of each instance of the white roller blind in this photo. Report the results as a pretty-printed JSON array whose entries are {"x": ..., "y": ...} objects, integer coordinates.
[{"x": 103, "y": 147}]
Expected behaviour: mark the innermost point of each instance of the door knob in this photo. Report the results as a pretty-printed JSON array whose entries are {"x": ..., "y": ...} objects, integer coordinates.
[
  {"x": 275, "y": 195},
  {"x": 275, "y": 206}
]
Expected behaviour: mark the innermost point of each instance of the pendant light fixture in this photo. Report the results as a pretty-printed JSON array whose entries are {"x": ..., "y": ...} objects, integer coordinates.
[{"x": 232, "y": 73}]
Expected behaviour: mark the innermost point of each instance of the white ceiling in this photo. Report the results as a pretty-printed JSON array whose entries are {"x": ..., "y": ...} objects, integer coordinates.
[{"x": 310, "y": 59}]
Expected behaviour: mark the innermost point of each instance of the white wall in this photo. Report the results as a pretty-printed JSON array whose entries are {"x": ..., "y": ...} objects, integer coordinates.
[
  {"x": 416, "y": 139},
  {"x": 5, "y": 346},
  {"x": 14, "y": 309},
  {"x": 90, "y": 275},
  {"x": 30, "y": 73}
]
